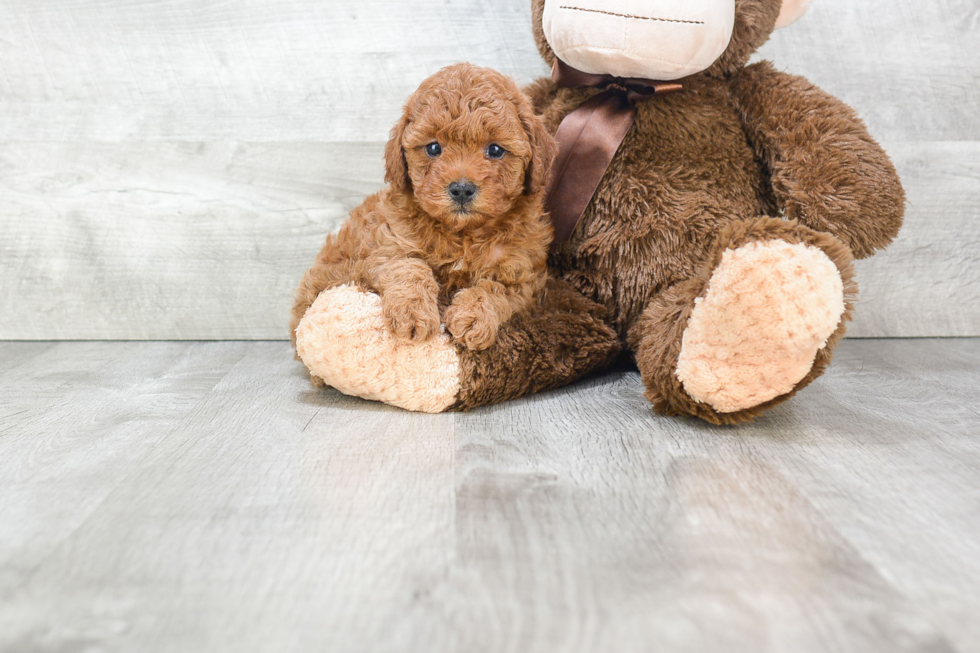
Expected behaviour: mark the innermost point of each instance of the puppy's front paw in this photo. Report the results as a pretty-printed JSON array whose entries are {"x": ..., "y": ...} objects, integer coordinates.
[
  {"x": 472, "y": 320},
  {"x": 415, "y": 319}
]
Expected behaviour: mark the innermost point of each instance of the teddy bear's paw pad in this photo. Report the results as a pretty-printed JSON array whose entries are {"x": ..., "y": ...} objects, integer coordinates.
[
  {"x": 343, "y": 339},
  {"x": 770, "y": 307}
]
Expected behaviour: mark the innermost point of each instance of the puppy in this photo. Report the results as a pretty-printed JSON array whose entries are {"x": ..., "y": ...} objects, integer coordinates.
[{"x": 460, "y": 235}]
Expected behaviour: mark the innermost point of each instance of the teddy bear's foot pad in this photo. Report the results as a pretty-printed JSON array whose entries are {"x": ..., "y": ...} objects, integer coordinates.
[
  {"x": 770, "y": 307},
  {"x": 343, "y": 339}
]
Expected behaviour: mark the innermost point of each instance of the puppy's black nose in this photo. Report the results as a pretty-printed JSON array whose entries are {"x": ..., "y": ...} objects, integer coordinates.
[{"x": 462, "y": 192}]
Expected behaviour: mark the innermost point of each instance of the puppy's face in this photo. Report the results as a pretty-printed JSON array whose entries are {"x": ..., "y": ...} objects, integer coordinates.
[
  {"x": 468, "y": 147},
  {"x": 467, "y": 166}
]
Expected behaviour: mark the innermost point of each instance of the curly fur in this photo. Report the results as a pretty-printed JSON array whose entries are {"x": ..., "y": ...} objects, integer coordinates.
[{"x": 430, "y": 259}]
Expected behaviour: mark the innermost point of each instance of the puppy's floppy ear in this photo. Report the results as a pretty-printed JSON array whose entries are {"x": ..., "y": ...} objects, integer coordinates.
[
  {"x": 396, "y": 166},
  {"x": 544, "y": 148}
]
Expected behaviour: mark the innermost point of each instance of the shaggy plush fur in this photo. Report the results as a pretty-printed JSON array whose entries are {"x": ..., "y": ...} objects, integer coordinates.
[
  {"x": 559, "y": 340},
  {"x": 472, "y": 261}
]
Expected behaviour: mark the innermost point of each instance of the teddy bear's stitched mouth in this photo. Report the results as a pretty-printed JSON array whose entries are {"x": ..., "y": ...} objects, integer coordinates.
[{"x": 613, "y": 13}]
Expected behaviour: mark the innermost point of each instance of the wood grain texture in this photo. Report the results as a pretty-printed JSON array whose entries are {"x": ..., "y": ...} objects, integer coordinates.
[
  {"x": 107, "y": 406},
  {"x": 202, "y": 497},
  {"x": 169, "y": 169},
  {"x": 163, "y": 241},
  {"x": 261, "y": 70},
  {"x": 927, "y": 282}
]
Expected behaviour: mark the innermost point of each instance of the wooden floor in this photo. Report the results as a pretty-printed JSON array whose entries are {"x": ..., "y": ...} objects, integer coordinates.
[{"x": 194, "y": 497}]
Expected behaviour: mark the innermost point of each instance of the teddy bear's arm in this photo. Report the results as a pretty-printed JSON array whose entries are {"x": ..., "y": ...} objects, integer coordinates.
[{"x": 827, "y": 171}]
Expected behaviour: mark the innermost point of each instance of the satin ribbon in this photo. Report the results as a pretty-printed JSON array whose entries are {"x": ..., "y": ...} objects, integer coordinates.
[{"x": 588, "y": 139}]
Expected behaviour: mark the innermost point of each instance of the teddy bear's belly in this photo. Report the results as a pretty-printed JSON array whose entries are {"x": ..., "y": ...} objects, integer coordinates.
[
  {"x": 632, "y": 244},
  {"x": 684, "y": 171}
]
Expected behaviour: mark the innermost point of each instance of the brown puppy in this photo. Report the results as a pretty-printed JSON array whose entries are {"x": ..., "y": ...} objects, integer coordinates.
[{"x": 461, "y": 232}]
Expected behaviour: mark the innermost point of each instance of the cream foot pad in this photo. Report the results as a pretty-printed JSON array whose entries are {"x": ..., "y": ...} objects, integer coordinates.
[
  {"x": 343, "y": 339},
  {"x": 770, "y": 308}
]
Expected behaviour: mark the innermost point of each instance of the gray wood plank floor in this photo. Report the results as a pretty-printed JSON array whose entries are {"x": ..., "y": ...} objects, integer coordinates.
[{"x": 202, "y": 497}]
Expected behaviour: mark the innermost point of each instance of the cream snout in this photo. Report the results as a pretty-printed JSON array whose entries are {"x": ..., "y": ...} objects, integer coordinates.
[{"x": 653, "y": 39}]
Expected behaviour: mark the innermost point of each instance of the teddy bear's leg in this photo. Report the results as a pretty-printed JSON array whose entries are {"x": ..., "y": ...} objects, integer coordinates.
[
  {"x": 344, "y": 341},
  {"x": 757, "y": 325}
]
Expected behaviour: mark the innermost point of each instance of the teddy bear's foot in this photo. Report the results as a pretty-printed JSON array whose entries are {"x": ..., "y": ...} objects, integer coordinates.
[
  {"x": 759, "y": 325},
  {"x": 343, "y": 339},
  {"x": 770, "y": 307}
]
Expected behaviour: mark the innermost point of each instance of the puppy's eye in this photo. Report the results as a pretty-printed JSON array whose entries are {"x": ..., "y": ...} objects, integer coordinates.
[
  {"x": 433, "y": 149},
  {"x": 494, "y": 151}
]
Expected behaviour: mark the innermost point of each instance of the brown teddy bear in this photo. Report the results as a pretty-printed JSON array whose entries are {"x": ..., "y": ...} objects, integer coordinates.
[{"x": 707, "y": 216}]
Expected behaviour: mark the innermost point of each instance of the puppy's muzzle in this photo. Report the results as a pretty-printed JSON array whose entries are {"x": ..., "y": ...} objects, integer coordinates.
[{"x": 462, "y": 192}]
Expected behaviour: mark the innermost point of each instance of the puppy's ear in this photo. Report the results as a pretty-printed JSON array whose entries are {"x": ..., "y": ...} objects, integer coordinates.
[
  {"x": 396, "y": 166},
  {"x": 544, "y": 149}
]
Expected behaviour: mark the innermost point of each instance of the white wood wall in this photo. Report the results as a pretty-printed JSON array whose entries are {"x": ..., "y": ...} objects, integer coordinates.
[{"x": 168, "y": 168}]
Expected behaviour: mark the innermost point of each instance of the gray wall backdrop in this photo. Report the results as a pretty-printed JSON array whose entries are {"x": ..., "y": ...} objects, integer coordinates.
[{"x": 168, "y": 169}]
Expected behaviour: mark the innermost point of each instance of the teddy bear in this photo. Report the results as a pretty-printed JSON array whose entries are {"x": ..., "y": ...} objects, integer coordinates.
[{"x": 714, "y": 243}]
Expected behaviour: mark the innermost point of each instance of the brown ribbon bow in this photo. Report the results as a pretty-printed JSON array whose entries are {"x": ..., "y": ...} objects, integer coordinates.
[{"x": 588, "y": 139}]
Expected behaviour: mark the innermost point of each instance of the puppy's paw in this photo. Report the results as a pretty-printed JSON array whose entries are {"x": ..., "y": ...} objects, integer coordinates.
[
  {"x": 415, "y": 320},
  {"x": 472, "y": 320}
]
